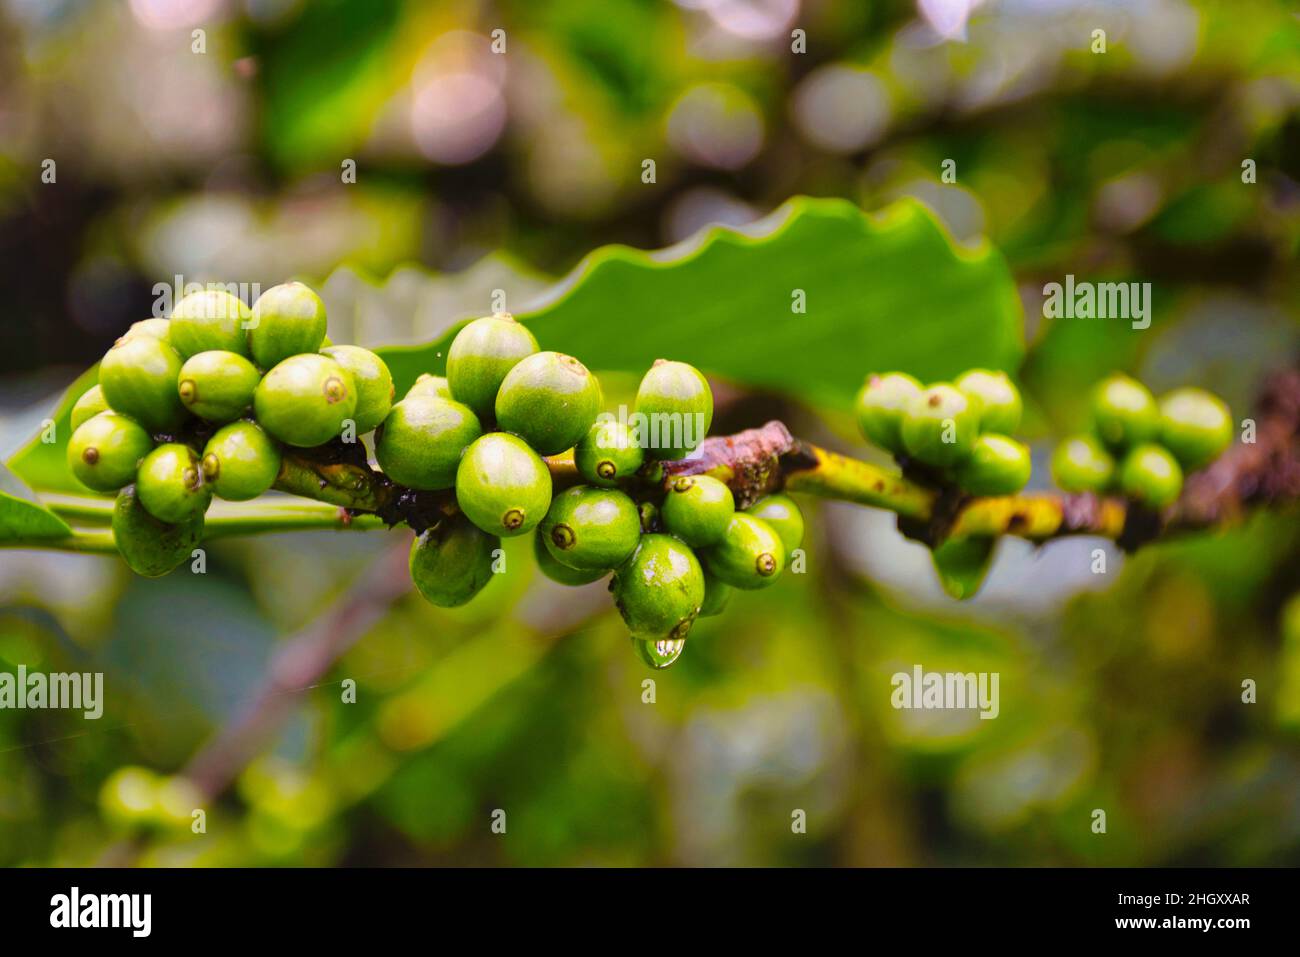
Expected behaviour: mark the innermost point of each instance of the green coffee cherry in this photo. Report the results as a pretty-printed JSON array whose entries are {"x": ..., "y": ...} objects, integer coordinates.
[
  {"x": 881, "y": 405},
  {"x": 503, "y": 485},
  {"x": 217, "y": 386},
  {"x": 591, "y": 528},
  {"x": 150, "y": 547},
  {"x": 1195, "y": 425},
  {"x": 659, "y": 589},
  {"x": 481, "y": 355},
  {"x": 556, "y": 572},
  {"x": 1149, "y": 474},
  {"x": 658, "y": 653},
  {"x": 1082, "y": 464},
  {"x": 717, "y": 595},
  {"x": 698, "y": 509},
  {"x": 209, "y": 320},
  {"x": 91, "y": 403},
  {"x": 105, "y": 451},
  {"x": 427, "y": 384},
  {"x": 940, "y": 426},
  {"x": 305, "y": 400},
  {"x": 287, "y": 320},
  {"x": 549, "y": 400},
  {"x": 608, "y": 453},
  {"x": 997, "y": 465},
  {"x": 1124, "y": 413},
  {"x": 451, "y": 562},
  {"x": 240, "y": 461},
  {"x": 650, "y": 518},
  {"x": 156, "y": 328},
  {"x": 749, "y": 556},
  {"x": 678, "y": 407},
  {"x": 138, "y": 377},
  {"x": 420, "y": 444},
  {"x": 170, "y": 484},
  {"x": 998, "y": 399},
  {"x": 373, "y": 381},
  {"x": 782, "y": 514}
]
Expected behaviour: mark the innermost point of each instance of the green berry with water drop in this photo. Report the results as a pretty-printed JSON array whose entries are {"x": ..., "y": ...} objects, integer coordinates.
[{"x": 659, "y": 589}]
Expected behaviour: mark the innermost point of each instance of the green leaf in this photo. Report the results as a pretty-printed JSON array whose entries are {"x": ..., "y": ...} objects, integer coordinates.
[
  {"x": 962, "y": 565},
  {"x": 889, "y": 291},
  {"x": 44, "y": 465},
  {"x": 22, "y": 516}
]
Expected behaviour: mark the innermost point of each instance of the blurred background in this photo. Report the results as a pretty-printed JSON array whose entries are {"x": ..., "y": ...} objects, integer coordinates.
[{"x": 214, "y": 139}]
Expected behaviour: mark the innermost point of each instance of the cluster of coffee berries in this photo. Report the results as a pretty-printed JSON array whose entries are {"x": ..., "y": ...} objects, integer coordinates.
[
  {"x": 675, "y": 547},
  {"x": 202, "y": 403},
  {"x": 958, "y": 433},
  {"x": 1154, "y": 443}
]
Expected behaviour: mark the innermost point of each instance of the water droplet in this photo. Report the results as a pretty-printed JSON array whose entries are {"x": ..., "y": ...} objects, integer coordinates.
[{"x": 658, "y": 653}]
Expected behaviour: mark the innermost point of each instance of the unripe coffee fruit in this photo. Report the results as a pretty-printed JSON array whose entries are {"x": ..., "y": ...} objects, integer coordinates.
[
  {"x": 373, "y": 382},
  {"x": 998, "y": 399},
  {"x": 881, "y": 404},
  {"x": 287, "y": 320},
  {"x": 426, "y": 384},
  {"x": 138, "y": 377},
  {"x": 1195, "y": 425},
  {"x": 781, "y": 513},
  {"x": 591, "y": 528},
  {"x": 549, "y": 400},
  {"x": 91, "y": 403},
  {"x": 608, "y": 453},
  {"x": 1149, "y": 474},
  {"x": 105, "y": 451},
  {"x": 1082, "y": 464},
  {"x": 556, "y": 572},
  {"x": 420, "y": 444},
  {"x": 209, "y": 320},
  {"x": 940, "y": 426},
  {"x": 997, "y": 465},
  {"x": 698, "y": 509},
  {"x": 503, "y": 485},
  {"x": 305, "y": 400},
  {"x": 452, "y": 562},
  {"x": 151, "y": 547},
  {"x": 749, "y": 556},
  {"x": 1124, "y": 413},
  {"x": 170, "y": 484},
  {"x": 678, "y": 407},
  {"x": 217, "y": 386},
  {"x": 659, "y": 589},
  {"x": 717, "y": 595},
  {"x": 240, "y": 461},
  {"x": 481, "y": 355}
]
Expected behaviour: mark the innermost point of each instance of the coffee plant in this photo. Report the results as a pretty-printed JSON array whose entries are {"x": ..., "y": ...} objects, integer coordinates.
[{"x": 227, "y": 400}]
